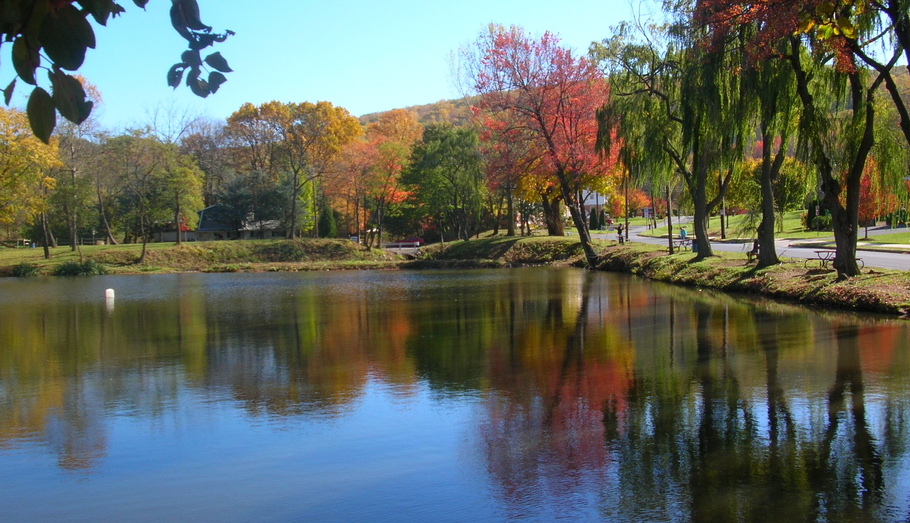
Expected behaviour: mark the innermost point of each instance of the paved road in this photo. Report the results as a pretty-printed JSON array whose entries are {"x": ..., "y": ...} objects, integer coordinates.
[{"x": 787, "y": 248}]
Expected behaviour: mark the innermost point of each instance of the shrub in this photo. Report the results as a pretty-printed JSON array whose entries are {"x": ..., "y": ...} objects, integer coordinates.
[
  {"x": 822, "y": 223},
  {"x": 86, "y": 268},
  {"x": 26, "y": 269}
]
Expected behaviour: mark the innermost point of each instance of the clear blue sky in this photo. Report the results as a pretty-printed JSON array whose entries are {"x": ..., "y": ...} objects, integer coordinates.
[{"x": 365, "y": 56}]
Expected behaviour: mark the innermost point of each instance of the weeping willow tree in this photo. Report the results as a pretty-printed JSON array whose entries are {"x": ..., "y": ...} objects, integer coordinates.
[
  {"x": 634, "y": 123},
  {"x": 771, "y": 104},
  {"x": 695, "y": 105},
  {"x": 833, "y": 50}
]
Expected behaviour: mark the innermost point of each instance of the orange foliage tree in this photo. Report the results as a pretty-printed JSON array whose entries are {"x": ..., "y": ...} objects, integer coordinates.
[{"x": 364, "y": 182}]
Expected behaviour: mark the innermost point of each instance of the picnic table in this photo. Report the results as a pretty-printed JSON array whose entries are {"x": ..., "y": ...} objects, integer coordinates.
[{"x": 825, "y": 256}]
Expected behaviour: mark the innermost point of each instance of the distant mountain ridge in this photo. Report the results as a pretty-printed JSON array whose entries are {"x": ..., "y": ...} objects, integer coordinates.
[{"x": 456, "y": 112}]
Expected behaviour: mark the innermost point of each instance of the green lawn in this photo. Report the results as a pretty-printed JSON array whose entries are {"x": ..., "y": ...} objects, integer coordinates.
[{"x": 738, "y": 227}]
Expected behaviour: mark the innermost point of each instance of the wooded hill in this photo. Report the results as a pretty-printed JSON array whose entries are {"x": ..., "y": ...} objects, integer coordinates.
[{"x": 456, "y": 112}]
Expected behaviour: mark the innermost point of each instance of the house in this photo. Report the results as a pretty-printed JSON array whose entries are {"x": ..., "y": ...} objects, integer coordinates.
[{"x": 216, "y": 223}]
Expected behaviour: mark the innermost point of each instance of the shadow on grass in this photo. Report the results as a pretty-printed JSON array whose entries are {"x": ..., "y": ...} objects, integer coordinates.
[{"x": 490, "y": 248}]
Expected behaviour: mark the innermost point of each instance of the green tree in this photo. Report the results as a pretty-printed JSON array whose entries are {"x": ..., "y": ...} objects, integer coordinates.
[
  {"x": 328, "y": 227},
  {"x": 695, "y": 112},
  {"x": 140, "y": 165},
  {"x": 823, "y": 43},
  {"x": 447, "y": 177},
  {"x": 182, "y": 183}
]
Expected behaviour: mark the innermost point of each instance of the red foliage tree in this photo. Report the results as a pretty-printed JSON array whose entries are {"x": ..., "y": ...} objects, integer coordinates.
[{"x": 540, "y": 90}]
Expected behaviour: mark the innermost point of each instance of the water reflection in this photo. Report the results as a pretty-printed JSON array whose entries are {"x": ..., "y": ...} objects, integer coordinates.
[{"x": 594, "y": 396}]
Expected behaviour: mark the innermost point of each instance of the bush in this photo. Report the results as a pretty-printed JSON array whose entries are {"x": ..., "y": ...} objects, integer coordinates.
[
  {"x": 26, "y": 269},
  {"x": 86, "y": 268},
  {"x": 822, "y": 223}
]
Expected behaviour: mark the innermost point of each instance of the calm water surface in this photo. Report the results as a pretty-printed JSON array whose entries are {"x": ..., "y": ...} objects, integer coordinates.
[{"x": 531, "y": 394}]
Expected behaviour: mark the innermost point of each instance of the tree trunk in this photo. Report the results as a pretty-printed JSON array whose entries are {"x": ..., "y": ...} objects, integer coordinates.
[
  {"x": 627, "y": 204},
  {"x": 295, "y": 196},
  {"x": 700, "y": 199},
  {"x": 44, "y": 233},
  {"x": 669, "y": 220},
  {"x": 177, "y": 222},
  {"x": 700, "y": 226},
  {"x": 510, "y": 205},
  {"x": 578, "y": 218},
  {"x": 145, "y": 239},
  {"x": 552, "y": 215},
  {"x": 767, "y": 252},
  {"x": 107, "y": 226},
  {"x": 71, "y": 216}
]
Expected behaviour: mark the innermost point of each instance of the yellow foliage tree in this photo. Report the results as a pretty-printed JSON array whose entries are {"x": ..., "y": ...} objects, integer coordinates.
[{"x": 24, "y": 165}]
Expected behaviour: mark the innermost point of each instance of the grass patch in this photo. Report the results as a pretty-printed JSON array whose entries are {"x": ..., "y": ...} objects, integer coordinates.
[{"x": 508, "y": 251}]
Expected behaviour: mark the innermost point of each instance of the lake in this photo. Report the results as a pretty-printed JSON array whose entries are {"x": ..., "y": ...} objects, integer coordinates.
[{"x": 527, "y": 394}]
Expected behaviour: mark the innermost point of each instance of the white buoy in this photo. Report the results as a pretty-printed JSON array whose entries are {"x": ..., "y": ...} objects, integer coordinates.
[{"x": 109, "y": 300}]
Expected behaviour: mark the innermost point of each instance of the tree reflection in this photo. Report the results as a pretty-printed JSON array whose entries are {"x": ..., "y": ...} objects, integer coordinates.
[
  {"x": 600, "y": 396},
  {"x": 848, "y": 469},
  {"x": 543, "y": 428}
]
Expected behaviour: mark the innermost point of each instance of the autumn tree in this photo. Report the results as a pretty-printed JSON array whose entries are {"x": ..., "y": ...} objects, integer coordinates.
[
  {"x": 364, "y": 181},
  {"x": 313, "y": 135},
  {"x": 539, "y": 86},
  {"x": 383, "y": 189},
  {"x": 58, "y": 33},
  {"x": 294, "y": 141},
  {"x": 346, "y": 183},
  {"x": 513, "y": 165},
  {"x": 25, "y": 164}
]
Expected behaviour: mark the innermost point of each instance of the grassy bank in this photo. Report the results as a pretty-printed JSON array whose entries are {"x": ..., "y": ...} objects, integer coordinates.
[
  {"x": 233, "y": 256},
  {"x": 876, "y": 290}
]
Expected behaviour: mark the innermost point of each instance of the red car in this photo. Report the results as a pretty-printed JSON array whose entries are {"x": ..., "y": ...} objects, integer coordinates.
[{"x": 413, "y": 239}]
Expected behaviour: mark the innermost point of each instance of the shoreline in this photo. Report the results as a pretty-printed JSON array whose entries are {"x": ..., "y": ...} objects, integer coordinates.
[{"x": 876, "y": 290}]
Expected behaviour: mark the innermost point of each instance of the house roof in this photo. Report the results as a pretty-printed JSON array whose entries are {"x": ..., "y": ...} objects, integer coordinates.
[{"x": 214, "y": 218}]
